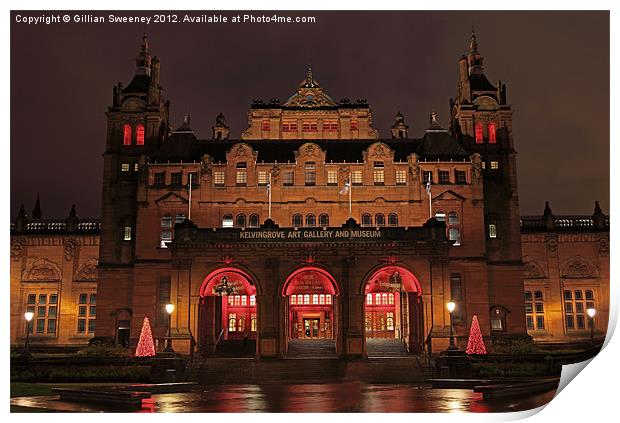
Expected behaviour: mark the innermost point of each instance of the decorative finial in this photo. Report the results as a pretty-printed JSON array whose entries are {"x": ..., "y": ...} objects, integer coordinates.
[
  {"x": 186, "y": 118},
  {"x": 73, "y": 213},
  {"x": 36, "y": 212},
  {"x": 547, "y": 208},
  {"x": 433, "y": 118},
  {"x": 145, "y": 43},
  {"x": 597, "y": 207},
  {"x": 473, "y": 44}
]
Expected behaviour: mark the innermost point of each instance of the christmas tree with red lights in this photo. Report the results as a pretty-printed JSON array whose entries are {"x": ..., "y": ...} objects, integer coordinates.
[
  {"x": 475, "y": 344},
  {"x": 146, "y": 346}
]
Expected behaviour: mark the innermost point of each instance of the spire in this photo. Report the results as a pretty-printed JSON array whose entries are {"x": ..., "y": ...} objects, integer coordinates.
[
  {"x": 309, "y": 82},
  {"x": 547, "y": 209},
  {"x": 36, "y": 212},
  {"x": 221, "y": 129},
  {"x": 597, "y": 207},
  {"x": 71, "y": 222},
  {"x": 143, "y": 61},
  {"x": 21, "y": 220},
  {"x": 399, "y": 128},
  {"x": 473, "y": 43},
  {"x": 185, "y": 127},
  {"x": 72, "y": 212},
  {"x": 548, "y": 218},
  {"x": 598, "y": 218}
]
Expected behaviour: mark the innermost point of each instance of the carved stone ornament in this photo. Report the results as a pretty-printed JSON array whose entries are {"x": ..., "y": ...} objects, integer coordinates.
[
  {"x": 552, "y": 244},
  {"x": 603, "y": 246},
  {"x": 17, "y": 247},
  {"x": 239, "y": 150},
  {"x": 206, "y": 167},
  {"x": 275, "y": 173},
  {"x": 42, "y": 270},
  {"x": 309, "y": 149},
  {"x": 71, "y": 246},
  {"x": 380, "y": 151},
  {"x": 532, "y": 270},
  {"x": 88, "y": 271},
  {"x": 579, "y": 268}
]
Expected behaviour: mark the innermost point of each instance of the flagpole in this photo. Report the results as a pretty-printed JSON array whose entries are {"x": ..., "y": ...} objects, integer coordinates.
[
  {"x": 189, "y": 211},
  {"x": 269, "y": 192},
  {"x": 350, "y": 189},
  {"x": 430, "y": 204}
]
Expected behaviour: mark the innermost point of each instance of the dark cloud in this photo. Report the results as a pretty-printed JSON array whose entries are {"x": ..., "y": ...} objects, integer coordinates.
[{"x": 556, "y": 66}]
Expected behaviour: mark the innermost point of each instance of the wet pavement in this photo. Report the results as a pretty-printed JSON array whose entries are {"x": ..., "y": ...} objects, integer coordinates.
[{"x": 306, "y": 398}]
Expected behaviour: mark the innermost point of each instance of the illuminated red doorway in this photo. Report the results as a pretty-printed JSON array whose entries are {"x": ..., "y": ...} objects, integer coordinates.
[
  {"x": 310, "y": 294},
  {"x": 393, "y": 307},
  {"x": 227, "y": 310}
]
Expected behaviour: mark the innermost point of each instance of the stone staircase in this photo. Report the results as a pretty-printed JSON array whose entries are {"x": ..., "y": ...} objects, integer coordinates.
[
  {"x": 311, "y": 348},
  {"x": 236, "y": 348},
  {"x": 383, "y": 347}
]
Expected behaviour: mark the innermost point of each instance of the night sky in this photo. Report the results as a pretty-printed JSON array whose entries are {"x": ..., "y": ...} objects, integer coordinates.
[{"x": 555, "y": 65}]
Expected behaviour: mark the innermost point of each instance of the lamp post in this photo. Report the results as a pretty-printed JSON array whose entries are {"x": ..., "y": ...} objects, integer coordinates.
[
  {"x": 451, "y": 306},
  {"x": 591, "y": 313},
  {"x": 28, "y": 316},
  {"x": 169, "y": 309}
]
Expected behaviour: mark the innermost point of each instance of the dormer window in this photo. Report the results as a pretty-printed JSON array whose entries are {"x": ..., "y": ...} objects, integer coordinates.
[
  {"x": 310, "y": 172},
  {"x": 354, "y": 125},
  {"x": 242, "y": 174},
  {"x": 140, "y": 135},
  {"x": 479, "y": 133},
  {"x": 127, "y": 134},
  {"x": 492, "y": 137}
]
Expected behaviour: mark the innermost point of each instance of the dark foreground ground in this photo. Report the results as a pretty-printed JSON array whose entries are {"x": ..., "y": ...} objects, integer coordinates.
[{"x": 293, "y": 398}]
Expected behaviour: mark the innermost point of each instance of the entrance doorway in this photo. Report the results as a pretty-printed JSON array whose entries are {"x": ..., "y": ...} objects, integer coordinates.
[
  {"x": 393, "y": 309},
  {"x": 310, "y": 294}
]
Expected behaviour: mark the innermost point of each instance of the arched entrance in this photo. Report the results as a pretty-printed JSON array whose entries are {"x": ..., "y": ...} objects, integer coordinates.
[
  {"x": 393, "y": 307},
  {"x": 227, "y": 317},
  {"x": 310, "y": 294}
]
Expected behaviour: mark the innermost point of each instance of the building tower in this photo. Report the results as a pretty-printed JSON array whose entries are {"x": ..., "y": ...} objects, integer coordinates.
[
  {"x": 482, "y": 123},
  {"x": 137, "y": 124}
]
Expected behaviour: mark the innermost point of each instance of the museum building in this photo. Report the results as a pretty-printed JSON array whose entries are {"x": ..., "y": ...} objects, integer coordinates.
[{"x": 310, "y": 228}]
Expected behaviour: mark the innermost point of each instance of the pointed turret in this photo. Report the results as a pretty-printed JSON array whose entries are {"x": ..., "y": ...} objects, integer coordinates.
[
  {"x": 21, "y": 221},
  {"x": 143, "y": 61},
  {"x": 548, "y": 217},
  {"x": 36, "y": 212},
  {"x": 72, "y": 221},
  {"x": 598, "y": 218}
]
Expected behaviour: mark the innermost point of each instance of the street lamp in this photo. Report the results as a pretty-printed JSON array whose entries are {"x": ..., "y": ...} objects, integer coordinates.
[
  {"x": 169, "y": 309},
  {"x": 591, "y": 312},
  {"x": 451, "y": 306},
  {"x": 28, "y": 316}
]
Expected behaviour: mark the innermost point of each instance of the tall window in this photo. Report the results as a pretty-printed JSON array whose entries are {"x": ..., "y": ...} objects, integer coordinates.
[
  {"x": 354, "y": 125},
  {"x": 332, "y": 177},
  {"x": 140, "y": 135},
  {"x": 166, "y": 230},
  {"x": 176, "y": 178},
  {"x": 159, "y": 179},
  {"x": 254, "y": 221},
  {"x": 378, "y": 173},
  {"x": 127, "y": 233},
  {"x": 380, "y": 219},
  {"x": 494, "y": 165},
  {"x": 492, "y": 137},
  {"x": 265, "y": 125},
  {"x": 45, "y": 311},
  {"x": 262, "y": 178},
  {"x": 460, "y": 176},
  {"x": 227, "y": 221},
  {"x": 356, "y": 177},
  {"x": 241, "y": 220},
  {"x": 575, "y": 308},
  {"x": 288, "y": 179},
  {"x": 392, "y": 219},
  {"x": 401, "y": 177},
  {"x": 323, "y": 220},
  {"x": 444, "y": 176},
  {"x": 427, "y": 175},
  {"x": 479, "y": 133},
  {"x": 87, "y": 312},
  {"x": 242, "y": 174},
  {"x": 310, "y": 220},
  {"x": 126, "y": 134},
  {"x": 218, "y": 179},
  {"x": 492, "y": 230},
  {"x": 534, "y": 310},
  {"x": 454, "y": 232},
  {"x": 366, "y": 220},
  {"x": 297, "y": 221},
  {"x": 310, "y": 172}
]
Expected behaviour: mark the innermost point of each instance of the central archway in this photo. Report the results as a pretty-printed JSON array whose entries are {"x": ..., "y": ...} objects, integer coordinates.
[
  {"x": 393, "y": 307},
  {"x": 227, "y": 318},
  {"x": 310, "y": 297}
]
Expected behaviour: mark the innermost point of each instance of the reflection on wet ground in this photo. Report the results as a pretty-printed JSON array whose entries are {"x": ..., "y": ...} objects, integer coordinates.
[{"x": 305, "y": 398}]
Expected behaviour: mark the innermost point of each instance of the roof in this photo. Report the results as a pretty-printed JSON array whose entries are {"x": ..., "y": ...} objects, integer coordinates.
[
  {"x": 479, "y": 82},
  {"x": 435, "y": 145},
  {"x": 139, "y": 84},
  {"x": 59, "y": 226}
]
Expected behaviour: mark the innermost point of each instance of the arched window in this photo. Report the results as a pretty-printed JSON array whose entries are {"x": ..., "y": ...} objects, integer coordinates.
[
  {"x": 297, "y": 220},
  {"x": 310, "y": 220},
  {"x": 253, "y": 324},
  {"x": 479, "y": 133},
  {"x": 440, "y": 216},
  {"x": 453, "y": 218},
  {"x": 254, "y": 221},
  {"x": 323, "y": 220},
  {"x": 369, "y": 299},
  {"x": 390, "y": 321},
  {"x": 380, "y": 219},
  {"x": 492, "y": 137},
  {"x": 227, "y": 221},
  {"x": 455, "y": 235},
  {"x": 454, "y": 231},
  {"x": 391, "y": 299},
  {"x": 377, "y": 298},
  {"x": 392, "y": 219},
  {"x": 166, "y": 230},
  {"x": 384, "y": 298},
  {"x": 179, "y": 218},
  {"x": 140, "y": 135},
  {"x": 366, "y": 220},
  {"x": 241, "y": 220},
  {"x": 127, "y": 134}
]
